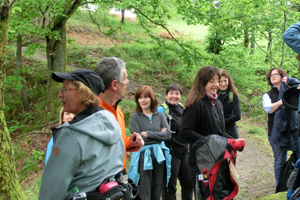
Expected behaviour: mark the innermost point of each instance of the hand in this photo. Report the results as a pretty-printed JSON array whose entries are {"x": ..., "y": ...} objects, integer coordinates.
[
  {"x": 163, "y": 129},
  {"x": 298, "y": 87},
  {"x": 144, "y": 133},
  {"x": 136, "y": 141},
  {"x": 285, "y": 79},
  {"x": 281, "y": 103}
]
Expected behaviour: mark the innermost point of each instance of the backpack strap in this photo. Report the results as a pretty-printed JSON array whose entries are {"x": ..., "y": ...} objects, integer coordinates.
[
  {"x": 231, "y": 96},
  {"x": 168, "y": 117},
  {"x": 166, "y": 107},
  {"x": 181, "y": 105}
]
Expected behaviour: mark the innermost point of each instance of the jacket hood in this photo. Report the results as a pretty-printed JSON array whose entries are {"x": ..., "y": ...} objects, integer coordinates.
[{"x": 100, "y": 125}]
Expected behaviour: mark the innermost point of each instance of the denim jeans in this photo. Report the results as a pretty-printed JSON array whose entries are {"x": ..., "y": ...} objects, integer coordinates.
[{"x": 280, "y": 157}]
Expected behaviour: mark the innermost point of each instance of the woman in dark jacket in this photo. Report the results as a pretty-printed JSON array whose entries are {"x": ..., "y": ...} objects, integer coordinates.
[
  {"x": 202, "y": 117},
  {"x": 173, "y": 109},
  {"x": 228, "y": 95}
]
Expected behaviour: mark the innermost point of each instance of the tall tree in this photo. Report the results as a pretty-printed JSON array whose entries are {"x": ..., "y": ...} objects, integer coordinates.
[
  {"x": 10, "y": 186},
  {"x": 56, "y": 41}
]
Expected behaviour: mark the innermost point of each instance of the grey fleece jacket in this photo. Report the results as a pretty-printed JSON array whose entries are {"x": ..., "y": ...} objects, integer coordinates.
[
  {"x": 140, "y": 122},
  {"x": 84, "y": 154}
]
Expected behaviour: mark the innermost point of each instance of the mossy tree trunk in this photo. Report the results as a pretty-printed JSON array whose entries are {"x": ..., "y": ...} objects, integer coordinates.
[
  {"x": 9, "y": 184},
  {"x": 56, "y": 49},
  {"x": 57, "y": 62}
]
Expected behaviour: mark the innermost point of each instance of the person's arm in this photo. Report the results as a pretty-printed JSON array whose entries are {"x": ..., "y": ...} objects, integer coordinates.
[
  {"x": 134, "y": 123},
  {"x": 49, "y": 150},
  {"x": 135, "y": 142},
  {"x": 61, "y": 167},
  {"x": 236, "y": 111},
  {"x": 292, "y": 81},
  {"x": 190, "y": 122},
  {"x": 292, "y": 38},
  {"x": 164, "y": 134},
  {"x": 268, "y": 106}
]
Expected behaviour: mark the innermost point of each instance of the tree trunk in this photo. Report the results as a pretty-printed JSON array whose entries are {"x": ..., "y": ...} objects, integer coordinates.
[
  {"x": 9, "y": 184},
  {"x": 20, "y": 68},
  {"x": 123, "y": 16},
  {"x": 283, "y": 44},
  {"x": 57, "y": 62},
  {"x": 56, "y": 50},
  {"x": 252, "y": 42},
  {"x": 269, "y": 48},
  {"x": 246, "y": 38}
]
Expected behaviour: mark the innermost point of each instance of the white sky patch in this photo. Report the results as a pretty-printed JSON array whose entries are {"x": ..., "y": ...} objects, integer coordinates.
[{"x": 128, "y": 13}]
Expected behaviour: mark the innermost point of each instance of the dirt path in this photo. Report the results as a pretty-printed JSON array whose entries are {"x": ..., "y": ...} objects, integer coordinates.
[{"x": 255, "y": 166}]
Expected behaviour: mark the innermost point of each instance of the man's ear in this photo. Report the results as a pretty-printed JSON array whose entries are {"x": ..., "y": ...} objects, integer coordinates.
[{"x": 113, "y": 84}]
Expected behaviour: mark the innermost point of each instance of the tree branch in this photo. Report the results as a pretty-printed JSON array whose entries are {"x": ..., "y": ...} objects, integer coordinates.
[
  {"x": 164, "y": 27},
  {"x": 43, "y": 15},
  {"x": 266, "y": 53},
  {"x": 11, "y": 4},
  {"x": 99, "y": 28}
]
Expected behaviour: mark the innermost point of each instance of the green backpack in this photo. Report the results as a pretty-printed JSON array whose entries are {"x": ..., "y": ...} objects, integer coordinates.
[
  {"x": 166, "y": 107},
  {"x": 231, "y": 96}
]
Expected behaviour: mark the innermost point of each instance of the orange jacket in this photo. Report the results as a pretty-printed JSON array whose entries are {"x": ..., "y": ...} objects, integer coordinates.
[{"x": 117, "y": 112}]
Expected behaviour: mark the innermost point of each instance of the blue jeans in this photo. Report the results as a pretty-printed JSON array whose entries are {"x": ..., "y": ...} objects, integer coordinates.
[{"x": 280, "y": 156}]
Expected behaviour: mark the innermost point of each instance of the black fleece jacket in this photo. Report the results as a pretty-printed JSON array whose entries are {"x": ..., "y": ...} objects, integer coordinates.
[
  {"x": 177, "y": 145},
  {"x": 199, "y": 121},
  {"x": 232, "y": 112}
]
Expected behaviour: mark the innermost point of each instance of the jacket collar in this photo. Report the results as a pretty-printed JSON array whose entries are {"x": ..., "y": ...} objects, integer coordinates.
[{"x": 85, "y": 113}]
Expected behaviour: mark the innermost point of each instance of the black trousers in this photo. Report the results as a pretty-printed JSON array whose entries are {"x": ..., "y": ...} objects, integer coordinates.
[
  {"x": 180, "y": 170},
  {"x": 151, "y": 181}
]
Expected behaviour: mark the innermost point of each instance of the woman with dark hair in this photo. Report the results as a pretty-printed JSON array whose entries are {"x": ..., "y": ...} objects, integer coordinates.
[
  {"x": 172, "y": 109},
  {"x": 282, "y": 122},
  {"x": 228, "y": 95},
  {"x": 203, "y": 123},
  {"x": 83, "y": 148},
  {"x": 150, "y": 166}
]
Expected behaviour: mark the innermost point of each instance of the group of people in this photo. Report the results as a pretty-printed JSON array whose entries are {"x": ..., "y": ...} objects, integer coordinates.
[
  {"x": 89, "y": 146},
  {"x": 196, "y": 143}
]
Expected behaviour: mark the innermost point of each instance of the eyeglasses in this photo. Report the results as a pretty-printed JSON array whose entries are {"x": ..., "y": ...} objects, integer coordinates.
[
  {"x": 274, "y": 75},
  {"x": 64, "y": 89}
]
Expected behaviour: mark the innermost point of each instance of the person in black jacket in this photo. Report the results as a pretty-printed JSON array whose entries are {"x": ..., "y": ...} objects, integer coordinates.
[
  {"x": 228, "y": 95},
  {"x": 273, "y": 105},
  {"x": 203, "y": 116},
  {"x": 173, "y": 109}
]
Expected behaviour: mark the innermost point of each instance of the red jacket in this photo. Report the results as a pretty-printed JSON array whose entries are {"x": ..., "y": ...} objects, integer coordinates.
[{"x": 215, "y": 162}]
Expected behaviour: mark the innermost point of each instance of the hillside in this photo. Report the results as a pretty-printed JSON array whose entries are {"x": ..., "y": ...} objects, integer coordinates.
[{"x": 255, "y": 163}]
